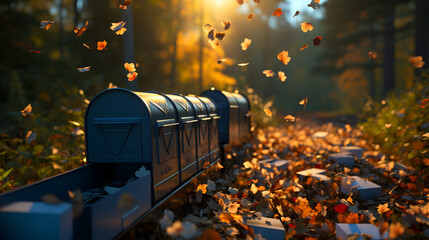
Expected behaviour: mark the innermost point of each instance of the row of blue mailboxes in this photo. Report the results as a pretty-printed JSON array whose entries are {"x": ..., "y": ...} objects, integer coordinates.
[{"x": 172, "y": 136}]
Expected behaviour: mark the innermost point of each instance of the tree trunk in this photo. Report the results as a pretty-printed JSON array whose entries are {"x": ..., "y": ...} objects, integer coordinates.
[
  {"x": 128, "y": 41},
  {"x": 422, "y": 34},
  {"x": 389, "y": 51},
  {"x": 176, "y": 27}
]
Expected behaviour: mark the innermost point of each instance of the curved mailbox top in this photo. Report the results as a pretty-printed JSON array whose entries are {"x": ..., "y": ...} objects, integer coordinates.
[
  {"x": 184, "y": 108},
  {"x": 211, "y": 107},
  {"x": 221, "y": 97},
  {"x": 242, "y": 100},
  {"x": 200, "y": 108}
]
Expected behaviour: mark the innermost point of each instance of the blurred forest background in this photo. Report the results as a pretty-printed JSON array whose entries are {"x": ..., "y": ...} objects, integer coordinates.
[{"x": 166, "y": 39}]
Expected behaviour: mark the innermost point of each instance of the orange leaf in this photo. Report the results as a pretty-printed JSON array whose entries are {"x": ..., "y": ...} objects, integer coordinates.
[
  {"x": 116, "y": 26},
  {"x": 317, "y": 40},
  {"x": 132, "y": 76},
  {"x": 31, "y": 136},
  {"x": 79, "y": 31},
  {"x": 278, "y": 12},
  {"x": 417, "y": 61},
  {"x": 372, "y": 55},
  {"x": 101, "y": 45},
  {"x": 225, "y": 217},
  {"x": 290, "y": 118},
  {"x": 27, "y": 111},
  {"x": 84, "y": 69},
  {"x": 240, "y": 2},
  {"x": 282, "y": 76},
  {"x": 245, "y": 44},
  {"x": 268, "y": 73},
  {"x": 306, "y": 26},
  {"x": 125, "y": 4},
  {"x": 84, "y": 44},
  {"x": 209, "y": 234},
  {"x": 304, "y": 102},
  {"x": 46, "y": 24},
  {"x": 121, "y": 31},
  {"x": 111, "y": 85},
  {"x": 130, "y": 67},
  {"x": 303, "y": 47},
  {"x": 284, "y": 57},
  {"x": 268, "y": 112},
  {"x": 250, "y": 16}
]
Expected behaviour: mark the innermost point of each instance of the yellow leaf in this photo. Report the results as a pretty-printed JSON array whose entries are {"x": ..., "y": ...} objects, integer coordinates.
[{"x": 306, "y": 26}]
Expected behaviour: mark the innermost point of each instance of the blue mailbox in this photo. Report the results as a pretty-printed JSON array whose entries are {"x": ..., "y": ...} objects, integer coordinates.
[
  {"x": 135, "y": 127},
  {"x": 243, "y": 114},
  {"x": 214, "y": 128}
]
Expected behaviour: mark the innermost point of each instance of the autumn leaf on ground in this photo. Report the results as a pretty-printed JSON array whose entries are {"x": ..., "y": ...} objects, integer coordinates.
[
  {"x": 284, "y": 57},
  {"x": 101, "y": 45},
  {"x": 125, "y": 201},
  {"x": 245, "y": 44},
  {"x": 77, "y": 202},
  {"x": 282, "y": 76},
  {"x": 304, "y": 102},
  {"x": 396, "y": 229},
  {"x": 46, "y": 24},
  {"x": 290, "y": 118},
  {"x": 278, "y": 12},
  {"x": 85, "y": 45},
  {"x": 125, "y": 4},
  {"x": 36, "y": 51},
  {"x": 417, "y": 61},
  {"x": 240, "y": 2},
  {"x": 209, "y": 234},
  {"x": 314, "y": 4},
  {"x": 51, "y": 199},
  {"x": 121, "y": 31},
  {"x": 130, "y": 67},
  {"x": 132, "y": 76},
  {"x": 84, "y": 69},
  {"x": 341, "y": 208},
  {"x": 250, "y": 16},
  {"x": 116, "y": 26},
  {"x": 317, "y": 40},
  {"x": 220, "y": 35},
  {"x": 372, "y": 55},
  {"x": 226, "y": 24},
  {"x": 382, "y": 208},
  {"x": 27, "y": 111},
  {"x": 31, "y": 136},
  {"x": 296, "y": 13},
  {"x": 243, "y": 64},
  {"x": 80, "y": 31},
  {"x": 203, "y": 188},
  {"x": 268, "y": 73},
  {"x": 306, "y": 26}
]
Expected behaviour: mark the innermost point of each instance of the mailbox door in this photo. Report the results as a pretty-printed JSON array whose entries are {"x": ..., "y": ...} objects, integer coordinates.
[
  {"x": 234, "y": 117},
  {"x": 244, "y": 115},
  {"x": 214, "y": 138},
  {"x": 188, "y": 148},
  {"x": 203, "y": 141}
]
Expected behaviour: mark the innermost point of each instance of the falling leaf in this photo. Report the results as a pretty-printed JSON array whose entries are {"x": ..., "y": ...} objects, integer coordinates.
[
  {"x": 51, "y": 199},
  {"x": 226, "y": 24},
  {"x": 268, "y": 73},
  {"x": 243, "y": 64},
  {"x": 111, "y": 85},
  {"x": 77, "y": 202},
  {"x": 121, "y": 31},
  {"x": 132, "y": 76},
  {"x": 125, "y": 201},
  {"x": 84, "y": 44},
  {"x": 84, "y": 69},
  {"x": 284, "y": 57},
  {"x": 282, "y": 76},
  {"x": 304, "y": 102},
  {"x": 317, "y": 40},
  {"x": 278, "y": 12},
  {"x": 101, "y": 45},
  {"x": 46, "y": 24},
  {"x": 245, "y": 44},
  {"x": 36, "y": 51},
  {"x": 306, "y": 26},
  {"x": 253, "y": 187},
  {"x": 417, "y": 61},
  {"x": 314, "y": 4},
  {"x": 220, "y": 35},
  {"x": 220, "y": 61},
  {"x": 27, "y": 111},
  {"x": 130, "y": 67},
  {"x": 303, "y": 47},
  {"x": 382, "y": 208},
  {"x": 250, "y": 16},
  {"x": 372, "y": 55},
  {"x": 31, "y": 136},
  {"x": 290, "y": 118},
  {"x": 125, "y": 4},
  {"x": 116, "y": 26},
  {"x": 296, "y": 13},
  {"x": 240, "y": 2},
  {"x": 80, "y": 31}
]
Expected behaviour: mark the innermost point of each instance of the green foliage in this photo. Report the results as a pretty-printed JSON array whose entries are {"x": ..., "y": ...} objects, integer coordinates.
[{"x": 397, "y": 124}]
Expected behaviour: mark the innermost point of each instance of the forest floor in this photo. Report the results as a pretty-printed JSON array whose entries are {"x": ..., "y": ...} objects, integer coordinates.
[{"x": 308, "y": 207}]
